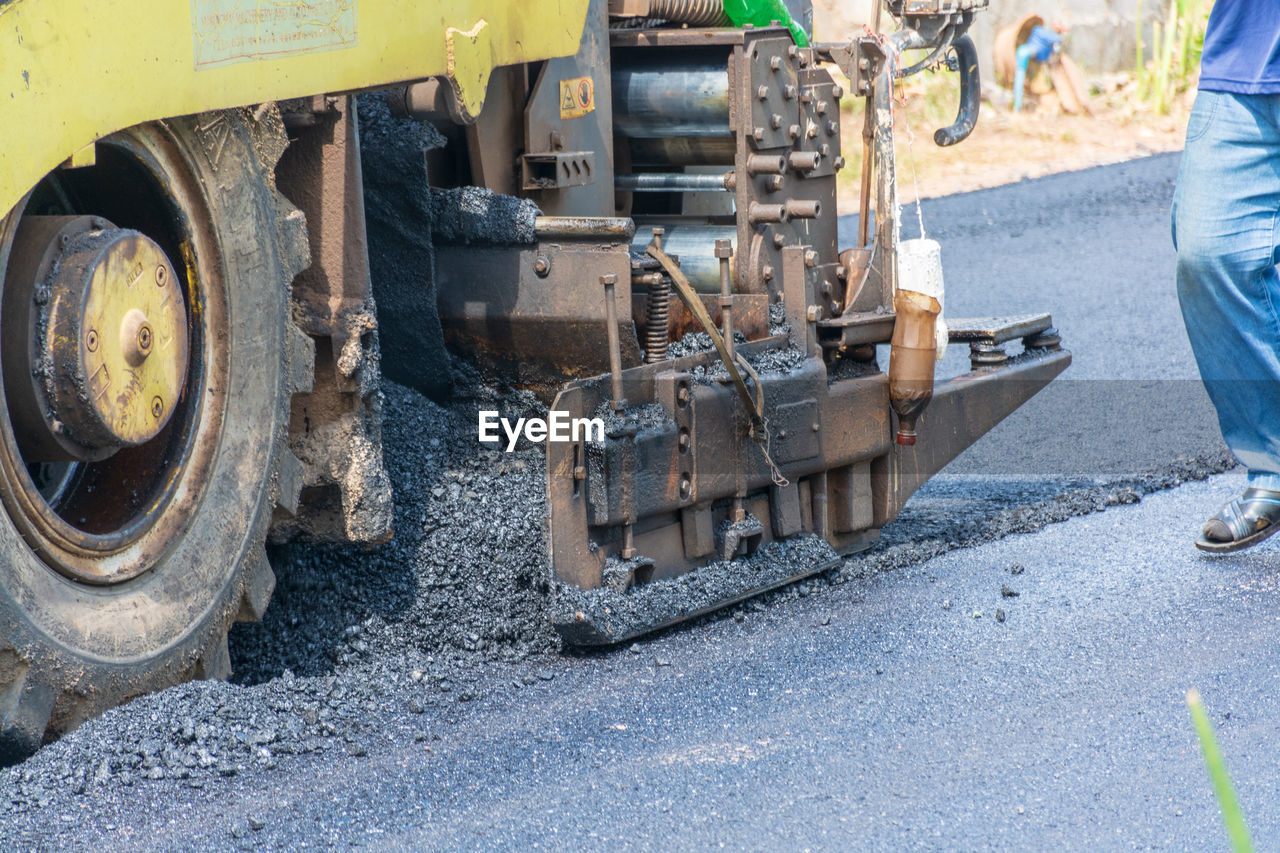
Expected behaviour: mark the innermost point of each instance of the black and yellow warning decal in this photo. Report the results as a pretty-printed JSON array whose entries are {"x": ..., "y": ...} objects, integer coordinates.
[{"x": 577, "y": 97}]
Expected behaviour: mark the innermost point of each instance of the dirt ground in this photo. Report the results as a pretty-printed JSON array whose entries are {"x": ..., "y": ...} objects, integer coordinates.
[{"x": 1007, "y": 146}]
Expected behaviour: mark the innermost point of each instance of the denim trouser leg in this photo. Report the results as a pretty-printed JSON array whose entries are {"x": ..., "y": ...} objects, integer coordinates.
[{"x": 1225, "y": 230}]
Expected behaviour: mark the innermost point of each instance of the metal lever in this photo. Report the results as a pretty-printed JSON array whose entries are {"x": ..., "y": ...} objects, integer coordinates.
[{"x": 970, "y": 95}]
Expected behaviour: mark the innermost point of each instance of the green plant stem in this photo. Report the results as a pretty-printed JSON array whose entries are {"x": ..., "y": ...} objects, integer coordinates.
[{"x": 1232, "y": 817}]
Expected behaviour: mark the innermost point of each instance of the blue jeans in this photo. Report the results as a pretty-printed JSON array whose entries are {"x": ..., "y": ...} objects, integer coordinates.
[{"x": 1226, "y": 228}]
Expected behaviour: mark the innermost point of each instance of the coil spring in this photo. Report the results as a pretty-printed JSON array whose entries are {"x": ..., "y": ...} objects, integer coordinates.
[
  {"x": 695, "y": 13},
  {"x": 657, "y": 332}
]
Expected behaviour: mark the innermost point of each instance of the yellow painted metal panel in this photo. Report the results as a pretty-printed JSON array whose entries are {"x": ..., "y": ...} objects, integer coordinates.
[{"x": 72, "y": 71}]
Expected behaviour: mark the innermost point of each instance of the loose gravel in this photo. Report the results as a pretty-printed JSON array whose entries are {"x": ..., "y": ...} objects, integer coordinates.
[{"x": 383, "y": 643}]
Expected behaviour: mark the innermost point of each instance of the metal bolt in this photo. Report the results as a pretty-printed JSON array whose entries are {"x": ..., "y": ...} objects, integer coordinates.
[
  {"x": 684, "y": 441},
  {"x": 767, "y": 272},
  {"x": 758, "y": 134},
  {"x": 788, "y": 92},
  {"x": 144, "y": 338},
  {"x": 832, "y": 127},
  {"x": 815, "y": 426},
  {"x": 837, "y": 92},
  {"x": 658, "y": 232},
  {"x": 794, "y": 131},
  {"x": 682, "y": 395},
  {"x": 839, "y": 163},
  {"x": 724, "y": 249},
  {"x": 763, "y": 93},
  {"x": 157, "y": 407},
  {"x": 774, "y": 183},
  {"x": 778, "y": 240},
  {"x": 775, "y": 121},
  {"x": 812, "y": 131},
  {"x": 542, "y": 266},
  {"x": 91, "y": 341},
  {"x": 810, "y": 258},
  {"x": 162, "y": 275},
  {"x": 814, "y": 313},
  {"x": 775, "y": 63},
  {"x": 805, "y": 98},
  {"x": 686, "y": 486},
  {"x": 821, "y": 108}
]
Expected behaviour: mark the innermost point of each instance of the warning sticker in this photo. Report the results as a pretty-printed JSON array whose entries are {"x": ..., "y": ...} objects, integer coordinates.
[
  {"x": 577, "y": 97},
  {"x": 228, "y": 31}
]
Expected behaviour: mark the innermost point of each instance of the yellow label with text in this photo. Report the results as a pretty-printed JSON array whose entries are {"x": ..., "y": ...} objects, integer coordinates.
[{"x": 577, "y": 97}]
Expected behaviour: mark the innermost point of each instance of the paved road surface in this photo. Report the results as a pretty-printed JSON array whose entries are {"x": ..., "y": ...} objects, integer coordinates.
[{"x": 894, "y": 712}]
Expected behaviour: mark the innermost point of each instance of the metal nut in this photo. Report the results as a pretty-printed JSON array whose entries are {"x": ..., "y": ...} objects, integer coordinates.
[
  {"x": 157, "y": 407},
  {"x": 542, "y": 266}
]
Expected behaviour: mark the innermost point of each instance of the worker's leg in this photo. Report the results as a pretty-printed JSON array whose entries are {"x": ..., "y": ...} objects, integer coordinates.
[{"x": 1225, "y": 219}]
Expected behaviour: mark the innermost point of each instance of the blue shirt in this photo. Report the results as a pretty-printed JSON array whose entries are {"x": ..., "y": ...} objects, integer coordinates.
[{"x": 1242, "y": 48}]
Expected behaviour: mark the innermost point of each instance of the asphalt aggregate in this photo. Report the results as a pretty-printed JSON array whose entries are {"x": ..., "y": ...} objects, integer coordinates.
[{"x": 1004, "y": 670}]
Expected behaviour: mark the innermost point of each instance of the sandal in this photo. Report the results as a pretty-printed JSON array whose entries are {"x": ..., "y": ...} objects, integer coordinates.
[{"x": 1242, "y": 523}]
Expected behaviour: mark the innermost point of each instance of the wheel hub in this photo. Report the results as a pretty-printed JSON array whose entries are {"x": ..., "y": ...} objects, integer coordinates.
[{"x": 104, "y": 338}]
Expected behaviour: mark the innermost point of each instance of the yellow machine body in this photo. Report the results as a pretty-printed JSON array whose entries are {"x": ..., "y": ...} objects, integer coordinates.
[{"x": 75, "y": 71}]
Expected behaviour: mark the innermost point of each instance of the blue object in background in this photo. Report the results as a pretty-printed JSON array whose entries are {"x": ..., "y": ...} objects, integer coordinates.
[{"x": 1039, "y": 46}]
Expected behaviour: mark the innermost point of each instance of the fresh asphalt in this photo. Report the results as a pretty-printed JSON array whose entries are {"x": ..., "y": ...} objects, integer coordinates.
[{"x": 895, "y": 711}]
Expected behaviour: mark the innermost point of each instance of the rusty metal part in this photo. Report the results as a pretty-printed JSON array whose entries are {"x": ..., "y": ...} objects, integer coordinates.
[
  {"x": 618, "y": 402},
  {"x": 802, "y": 208},
  {"x": 336, "y": 427},
  {"x": 694, "y": 245},
  {"x": 987, "y": 336},
  {"x": 724, "y": 252},
  {"x": 706, "y": 442},
  {"x": 557, "y": 170},
  {"x": 539, "y": 330},
  {"x": 695, "y": 13},
  {"x": 847, "y": 480},
  {"x": 759, "y": 213},
  {"x": 1047, "y": 339},
  {"x": 766, "y": 164},
  {"x": 98, "y": 335},
  {"x": 853, "y": 329},
  {"x": 997, "y": 330},
  {"x": 603, "y": 228},
  {"x": 750, "y": 315},
  {"x": 657, "y": 319}
]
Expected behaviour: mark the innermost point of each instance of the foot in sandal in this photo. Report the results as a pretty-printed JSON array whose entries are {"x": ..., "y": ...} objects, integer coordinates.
[{"x": 1242, "y": 523}]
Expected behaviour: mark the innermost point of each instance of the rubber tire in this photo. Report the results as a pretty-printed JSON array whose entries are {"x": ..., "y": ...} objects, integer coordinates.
[{"x": 68, "y": 650}]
